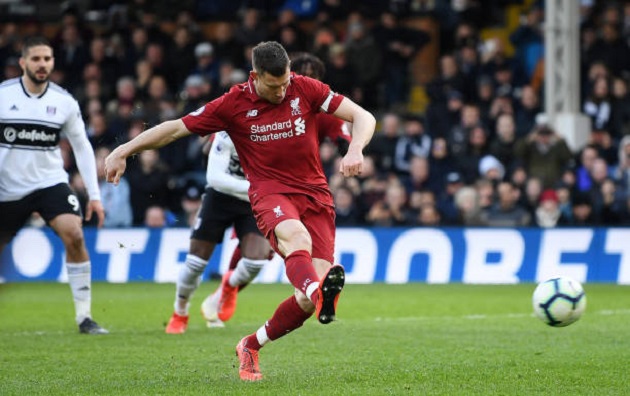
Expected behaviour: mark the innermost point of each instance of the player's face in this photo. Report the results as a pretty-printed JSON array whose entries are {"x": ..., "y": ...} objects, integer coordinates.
[
  {"x": 38, "y": 63},
  {"x": 270, "y": 87}
]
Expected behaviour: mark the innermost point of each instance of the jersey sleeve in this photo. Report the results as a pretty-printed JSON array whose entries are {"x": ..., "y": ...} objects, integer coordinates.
[
  {"x": 208, "y": 118},
  {"x": 74, "y": 129},
  {"x": 218, "y": 174},
  {"x": 320, "y": 94}
]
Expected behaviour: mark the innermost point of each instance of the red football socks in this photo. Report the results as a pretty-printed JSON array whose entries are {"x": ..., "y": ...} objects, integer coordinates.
[
  {"x": 300, "y": 271},
  {"x": 288, "y": 317}
]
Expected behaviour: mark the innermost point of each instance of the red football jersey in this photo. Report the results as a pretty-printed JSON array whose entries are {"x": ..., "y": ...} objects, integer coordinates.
[{"x": 277, "y": 144}]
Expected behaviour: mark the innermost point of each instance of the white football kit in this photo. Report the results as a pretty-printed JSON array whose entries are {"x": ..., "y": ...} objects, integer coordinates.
[{"x": 31, "y": 127}]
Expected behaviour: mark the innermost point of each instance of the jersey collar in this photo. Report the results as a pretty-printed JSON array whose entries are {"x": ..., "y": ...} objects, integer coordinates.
[{"x": 28, "y": 94}]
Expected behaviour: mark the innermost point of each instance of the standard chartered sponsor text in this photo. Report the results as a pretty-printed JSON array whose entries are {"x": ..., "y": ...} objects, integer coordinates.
[{"x": 276, "y": 126}]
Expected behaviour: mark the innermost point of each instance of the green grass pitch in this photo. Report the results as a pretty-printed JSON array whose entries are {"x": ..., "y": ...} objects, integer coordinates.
[{"x": 413, "y": 339}]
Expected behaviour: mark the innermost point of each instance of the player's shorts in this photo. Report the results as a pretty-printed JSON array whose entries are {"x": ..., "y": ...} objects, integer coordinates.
[
  {"x": 220, "y": 211},
  {"x": 318, "y": 218},
  {"x": 49, "y": 202}
]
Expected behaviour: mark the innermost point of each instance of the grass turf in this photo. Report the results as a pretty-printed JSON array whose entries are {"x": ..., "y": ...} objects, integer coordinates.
[{"x": 389, "y": 339}]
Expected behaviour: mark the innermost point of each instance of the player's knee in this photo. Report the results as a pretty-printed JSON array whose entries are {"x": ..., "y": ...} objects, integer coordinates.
[
  {"x": 72, "y": 238},
  {"x": 304, "y": 302},
  {"x": 301, "y": 240}
]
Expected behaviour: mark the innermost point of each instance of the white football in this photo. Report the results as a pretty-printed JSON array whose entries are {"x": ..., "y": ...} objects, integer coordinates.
[{"x": 559, "y": 301}]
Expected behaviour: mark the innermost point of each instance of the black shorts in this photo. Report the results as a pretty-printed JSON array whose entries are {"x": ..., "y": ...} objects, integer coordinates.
[
  {"x": 49, "y": 202},
  {"x": 220, "y": 211}
]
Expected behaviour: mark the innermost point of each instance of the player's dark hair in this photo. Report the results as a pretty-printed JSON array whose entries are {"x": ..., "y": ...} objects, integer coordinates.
[
  {"x": 308, "y": 65},
  {"x": 270, "y": 57},
  {"x": 34, "y": 42}
]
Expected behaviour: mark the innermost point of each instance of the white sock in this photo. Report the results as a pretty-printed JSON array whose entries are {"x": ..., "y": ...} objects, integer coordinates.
[
  {"x": 187, "y": 282},
  {"x": 80, "y": 280},
  {"x": 261, "y": 335},
  {"x": 245, "y": 271},
  {"x": 310, "y": 289}
]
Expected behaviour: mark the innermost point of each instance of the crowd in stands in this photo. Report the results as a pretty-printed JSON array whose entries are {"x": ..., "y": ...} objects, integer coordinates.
[{"x": 482, "y": 154}]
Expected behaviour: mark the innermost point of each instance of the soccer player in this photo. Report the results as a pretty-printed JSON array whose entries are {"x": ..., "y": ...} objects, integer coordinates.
[
  {"x": 271, "y": 120},
  {"x": 34, "y": 112},
  {"x": 225, "y": 203},
  {"x": 219, "y": 306}
]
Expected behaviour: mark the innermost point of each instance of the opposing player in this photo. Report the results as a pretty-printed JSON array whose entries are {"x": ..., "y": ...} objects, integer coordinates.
[
  {"x": 225, "y": 203},
  {"x": 34, "y": 112},
  {"x": 219, "y": 306},
  {"x": 271, "y": 120}
]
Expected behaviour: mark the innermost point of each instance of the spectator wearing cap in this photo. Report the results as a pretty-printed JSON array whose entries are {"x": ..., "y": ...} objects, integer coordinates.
[
  {"x": 446, "y": 202},
  {"x": 207, "y": 66},
  {"x": 544, "y": 154},
  {"x": 415, "y": 142},
  {"x": 491, "y": 168},
  {"x": 196, "y": 92},
  {"x": 548, "y": 213}
]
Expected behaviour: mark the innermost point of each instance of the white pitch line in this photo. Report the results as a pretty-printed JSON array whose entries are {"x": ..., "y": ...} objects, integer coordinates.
[{"x": 605, "y": 312}]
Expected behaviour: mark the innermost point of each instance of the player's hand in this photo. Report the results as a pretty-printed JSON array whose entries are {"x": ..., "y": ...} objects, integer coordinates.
[
  {"x": 352, "y": 163},
  {"x": 95, "y": 206},
  {"x": 115, "y": 166}
]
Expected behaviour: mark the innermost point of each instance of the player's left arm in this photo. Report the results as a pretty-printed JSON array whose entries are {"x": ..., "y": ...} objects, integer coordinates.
[
  {"x": 84, "y": 155},
  {"x": 363, "y": 125}
]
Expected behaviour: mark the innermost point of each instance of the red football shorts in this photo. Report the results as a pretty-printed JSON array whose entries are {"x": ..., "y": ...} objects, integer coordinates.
[{"x": 318, "y": 218}]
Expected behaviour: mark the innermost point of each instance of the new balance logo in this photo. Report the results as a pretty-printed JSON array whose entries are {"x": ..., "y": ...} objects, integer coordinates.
[
  {"x": 252, "y": 113},
  {"x": 278, "y": 211},
  {"x": 14, "y": 108}
]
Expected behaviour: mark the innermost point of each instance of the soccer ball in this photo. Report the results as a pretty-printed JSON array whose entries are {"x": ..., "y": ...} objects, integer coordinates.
[{"x": 559, "y": 301}]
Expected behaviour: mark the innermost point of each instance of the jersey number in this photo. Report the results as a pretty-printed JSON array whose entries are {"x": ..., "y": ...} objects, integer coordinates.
[{"x": 74, "y": 201}]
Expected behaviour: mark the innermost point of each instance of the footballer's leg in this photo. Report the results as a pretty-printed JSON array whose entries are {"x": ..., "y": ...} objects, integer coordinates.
[
  {"x": 78, "y": 266},
  {"x": 255, "y": 250},
  {"x": 187, "y": 282}
]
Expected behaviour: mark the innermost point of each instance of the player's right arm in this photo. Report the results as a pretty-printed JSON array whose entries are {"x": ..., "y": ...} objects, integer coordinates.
[{"x": 153, "y": 138}]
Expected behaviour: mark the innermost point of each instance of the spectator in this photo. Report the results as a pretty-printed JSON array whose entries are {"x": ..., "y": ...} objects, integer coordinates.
[
  {"x": 544, "y": 154},
  {"x": 251, "y": 31},
  {"x": 502, "y": 147},
  {"x": 398, "y": 45},
  {"x": 155, "y": 217},
  {"x": 149, "y": 185},
  {"x": 347, "y": 213},
  {"x": 548, "y": 213},
  {"x": 467, "y": 203},
  {"x": 491, "y": 168},
  {"x": 392, "y": 210},
  {"x": 115, "y": 199},
  {"x": 506, "y": 212},
  {"x": 383, "y": 146},
  {"x": 414, "y": 142},
  {"x": 446, "y": 203},
  {"x": 526, "y": 111},
  {"x": 365, "y": 59},
  {"x": 181, "y": 55}
]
